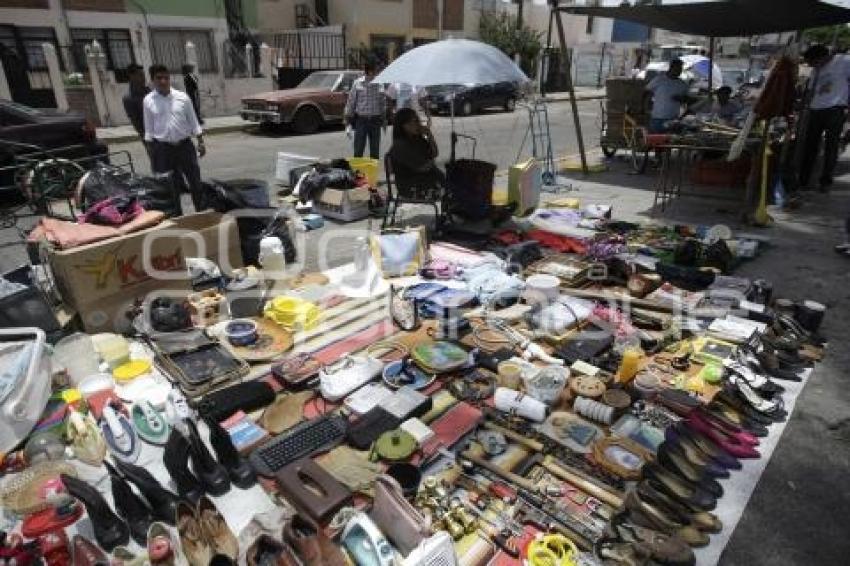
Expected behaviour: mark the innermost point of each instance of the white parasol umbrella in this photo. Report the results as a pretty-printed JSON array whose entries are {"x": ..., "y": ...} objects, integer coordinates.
[
  {"x": 699, "y": 65},
  {"x": 452, "y": 62}
]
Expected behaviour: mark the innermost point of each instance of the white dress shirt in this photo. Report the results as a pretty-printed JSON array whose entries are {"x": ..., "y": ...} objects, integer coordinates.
[{"x": 170, "y": 118}]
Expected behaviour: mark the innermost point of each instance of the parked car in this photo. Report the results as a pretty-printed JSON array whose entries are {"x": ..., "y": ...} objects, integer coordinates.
[
  {"x": 317, "y": 101},
  {"x": 26, "y": 130},
  {"x": 469, "y": 99}
]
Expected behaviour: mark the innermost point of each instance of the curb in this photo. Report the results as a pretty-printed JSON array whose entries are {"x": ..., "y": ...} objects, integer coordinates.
[{"x": 116, "y": 139}]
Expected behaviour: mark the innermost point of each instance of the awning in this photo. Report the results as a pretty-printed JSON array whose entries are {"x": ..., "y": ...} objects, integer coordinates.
[{"x": 726, "y": 18}]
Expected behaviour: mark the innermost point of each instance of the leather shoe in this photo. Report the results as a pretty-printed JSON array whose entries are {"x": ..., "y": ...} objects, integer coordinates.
[
  {"x": 196, "y": 548},
  {"x": 130, "y": 506},
  {"x": 679, "y": 488},
  {"x": 240, "y": 471},
  {"x": 266, "y": 551},
  {"x": 162, "y": 502},
  {"x": 176, "y": 460},
  {"x": 216, "y": 531},
  {"x": 213, "y": 476},
  {"x": 109, "y": 529},
  {"x": 312, "y": 546},
  {"x": 648, "y": 515}
]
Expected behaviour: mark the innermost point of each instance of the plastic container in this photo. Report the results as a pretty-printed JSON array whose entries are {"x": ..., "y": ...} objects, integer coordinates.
[
  {"x": 594, "y": 410},
  {"x": 287, "y": 162},
  {"x": 630, "y": 364},
  {"x": 22, "y": 405},
  {"x": 367, "y": 166},
  {"x": 77, "y": 355}
]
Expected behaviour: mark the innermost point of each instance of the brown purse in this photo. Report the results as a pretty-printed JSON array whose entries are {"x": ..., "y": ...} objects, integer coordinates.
[{"x": 402, "y": 523}]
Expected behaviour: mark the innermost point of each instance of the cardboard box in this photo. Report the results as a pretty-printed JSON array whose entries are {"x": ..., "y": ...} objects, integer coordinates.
[
  {"x": 101, "y": 280},
  {"x": 347, "y": 205}
]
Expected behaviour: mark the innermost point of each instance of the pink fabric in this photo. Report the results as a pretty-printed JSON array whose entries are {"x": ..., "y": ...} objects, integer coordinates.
[
  {"x": 66, "y": 235},
  {"x": 112, "y": 212}
]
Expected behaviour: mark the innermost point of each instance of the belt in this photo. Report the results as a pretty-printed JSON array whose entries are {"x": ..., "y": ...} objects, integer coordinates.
[{"x": 172, "y": 143}]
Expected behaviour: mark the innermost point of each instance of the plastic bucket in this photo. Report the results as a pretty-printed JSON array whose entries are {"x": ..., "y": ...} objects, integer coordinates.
[{"x": 368, "y": 167}]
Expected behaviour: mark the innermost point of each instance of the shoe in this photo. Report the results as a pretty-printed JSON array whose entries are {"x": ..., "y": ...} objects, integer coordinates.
[
  {"x": 85, "y": 553},
  {"x": 162, "y": 502},
  {"x": 722, "y": 411},
  {"x": 196, "y": 548},
  {"x": 738, "y": 405},
  {"x": 311, "y": 545},
  {"x": 176, "y": 460},
  {"x": 691, "y": 441},
  {"x": 212, "y": 475},
  {"x": 240, "y": 471},
  {"x": 87, "y": 442},
  {"x": 772, "y": 408},
  {"x": 610, "y": 550},
  {"x": 697, "y": 458},
  {"x": 109, "y": 529},
  {"x": 730, "y": 444},
  {"x": 161, "y": 545},
  {"x": 703, "y": 520},
  {"x": 266, "y": 551},
  {"x": 216, "y": 531},
  {"x": 663, "y": 548},
  {"x": 680, "y": 488},
  {"x": 674, "y": 462},
  {"x": 725, "y": 425},
  {"x": 129, "y": 506},
  {"x": 647, "y": 515},
  {"x": 753, "y": 379}
]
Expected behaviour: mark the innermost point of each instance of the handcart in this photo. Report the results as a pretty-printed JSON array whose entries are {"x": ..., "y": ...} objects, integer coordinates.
[{"x": 623, "y": 122}]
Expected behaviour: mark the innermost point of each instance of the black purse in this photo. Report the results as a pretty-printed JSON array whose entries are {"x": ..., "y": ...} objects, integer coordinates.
[{"x": 220, "y": 405}]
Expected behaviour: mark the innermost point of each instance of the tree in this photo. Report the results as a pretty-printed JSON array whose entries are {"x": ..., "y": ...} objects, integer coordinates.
[
  {"x": 825, "y": 35},
  {"x": 500, "y": 30}
]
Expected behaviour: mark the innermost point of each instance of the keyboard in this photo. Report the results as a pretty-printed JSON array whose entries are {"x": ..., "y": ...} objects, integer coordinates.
[{"x": 298, "y": 442}]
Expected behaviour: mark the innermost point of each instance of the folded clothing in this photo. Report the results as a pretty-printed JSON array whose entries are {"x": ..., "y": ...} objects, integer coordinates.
[{"x": 66, "y": 235}]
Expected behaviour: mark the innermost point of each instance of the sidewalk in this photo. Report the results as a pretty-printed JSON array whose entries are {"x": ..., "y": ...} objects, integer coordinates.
[{"x": 224, "y": 124}]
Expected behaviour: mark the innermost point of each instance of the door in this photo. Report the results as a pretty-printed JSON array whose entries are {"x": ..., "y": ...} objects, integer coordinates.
[{"x": 337, "y": 99}]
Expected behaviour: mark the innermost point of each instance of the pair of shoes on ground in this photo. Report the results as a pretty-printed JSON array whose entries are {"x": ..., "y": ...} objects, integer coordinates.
[
  {"x": 205, "y": 537},
  {"x": 301, "y": 543}
]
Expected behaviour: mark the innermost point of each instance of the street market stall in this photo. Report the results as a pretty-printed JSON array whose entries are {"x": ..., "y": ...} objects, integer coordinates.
[{"x": 580, "y": 390}]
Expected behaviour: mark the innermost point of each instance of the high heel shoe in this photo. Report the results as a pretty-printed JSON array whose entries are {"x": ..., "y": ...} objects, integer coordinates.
[
  {"x": 730, "y": 444},
  {"x": 726, "y": 426},
  {"x": 702, "y": 520},
  {"x": 680, "y": 488},
  {"x": 109, "y": 529},
  {"x": 212, "y": 475},
  {"x": 176, "y": 460},
  {"x": 240, "y": 471},
  {"x": 163, "y": 503},
  {"x": 728, "y": 414},
  {"x": 691, "y": 440},
  {"x": 129, "y": 506},
  {"x": 675, "y": 463},
  {"x": 644, "y": 513}
]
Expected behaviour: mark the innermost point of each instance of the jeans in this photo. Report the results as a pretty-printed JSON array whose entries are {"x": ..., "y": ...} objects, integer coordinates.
[
  {"x": 181, "y": 159},
  {"x": 828, "y": 122},
  {"x": 366, "y": 126}
]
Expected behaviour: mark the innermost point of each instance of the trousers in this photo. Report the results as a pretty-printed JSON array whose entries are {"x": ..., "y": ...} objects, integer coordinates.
[
  {"x": 826, "y": 123},
  {"x": 182, "y": 160},
  {"x": 368, "y": 127}
]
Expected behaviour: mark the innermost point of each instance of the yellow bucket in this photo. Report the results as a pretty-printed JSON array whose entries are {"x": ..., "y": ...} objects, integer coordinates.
[{"x": 367, "y": 166}]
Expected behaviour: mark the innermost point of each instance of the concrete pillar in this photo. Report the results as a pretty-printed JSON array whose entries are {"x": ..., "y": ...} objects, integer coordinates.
[
  {"x": 55, "y": 73},
  {"x": 266, "y": 60},
  {"x": 192, "y": 55},
  {"x": 97, "y": 62},
  {"x": 5, "y": 91},
  {"x": 249, "y": 59}
]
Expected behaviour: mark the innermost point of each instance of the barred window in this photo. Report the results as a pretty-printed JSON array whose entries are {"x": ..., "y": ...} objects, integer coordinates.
[
  {"x": 31, "y": 39},
  {"x": 116, "y": 45},
  {"x": 169, "y": 48}
]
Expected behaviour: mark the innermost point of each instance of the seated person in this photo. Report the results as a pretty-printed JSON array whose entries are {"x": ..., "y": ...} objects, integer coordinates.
[
  {"x": 724, "y": 107},
  {"x": 668, "y": 93},
  {"x": 413, "y": 153}
]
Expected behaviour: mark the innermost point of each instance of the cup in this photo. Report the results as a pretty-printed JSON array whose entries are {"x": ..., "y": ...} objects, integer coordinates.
[{"x": 510, "y": 374}]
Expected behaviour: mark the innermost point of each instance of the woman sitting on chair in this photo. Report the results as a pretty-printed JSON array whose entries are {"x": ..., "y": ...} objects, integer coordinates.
[{"x": 413, "y": 153}]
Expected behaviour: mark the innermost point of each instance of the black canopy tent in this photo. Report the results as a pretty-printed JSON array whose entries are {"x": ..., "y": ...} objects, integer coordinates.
[
  {"x": 724, "y": 18},
  {"x": 717, "y": 18}
]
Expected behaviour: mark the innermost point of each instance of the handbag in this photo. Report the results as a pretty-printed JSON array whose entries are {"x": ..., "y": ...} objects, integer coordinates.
[
  {"x": 400, "y": 521},
  {"x": 400, "y": 253}
]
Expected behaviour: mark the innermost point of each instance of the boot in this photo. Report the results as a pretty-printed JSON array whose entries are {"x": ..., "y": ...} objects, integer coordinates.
[
  {"x": 241, "y": 473},
  {"x": 213, "y": 476},
  {"x": 176, "y": 460},
  {"x": 129, "y": 506},
  {"x": 163, "y": 503},
  {"x": 109, "y": 529}
]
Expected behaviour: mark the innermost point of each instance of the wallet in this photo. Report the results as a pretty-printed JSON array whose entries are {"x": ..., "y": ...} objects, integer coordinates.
[
  {"x": 220, "y": 405},
  {"x": 588, "y": 343},
  {"x": 311, "y": 489},
  {"x": 402, "y": 523},
  {"x": 297, "y": 371}
]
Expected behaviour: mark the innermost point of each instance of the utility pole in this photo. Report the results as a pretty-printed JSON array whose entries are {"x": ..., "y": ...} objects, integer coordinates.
[{"x": 519, "y": 7}]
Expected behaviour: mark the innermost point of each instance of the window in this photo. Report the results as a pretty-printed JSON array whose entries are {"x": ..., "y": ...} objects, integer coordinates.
[
  {"x": 31, "y": 40},
  {"x": 115, "y": 43},
  {"x": 169, "y": 48},
  {"x": 589, "y": 29}
]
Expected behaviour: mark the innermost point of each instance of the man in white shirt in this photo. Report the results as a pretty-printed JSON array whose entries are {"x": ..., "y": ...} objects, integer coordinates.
[
  {"x": 668, "y": 93},
  {"x": 170, "y": 123},
  {"x": 405, "y": 95},
  {"x": 827, "y": 95}
]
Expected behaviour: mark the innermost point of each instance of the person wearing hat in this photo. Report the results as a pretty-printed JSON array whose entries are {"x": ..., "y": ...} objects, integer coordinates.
[{"x": 826, "y": 100}]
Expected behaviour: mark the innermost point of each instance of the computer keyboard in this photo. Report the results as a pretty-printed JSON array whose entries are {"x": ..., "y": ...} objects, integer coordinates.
[{"x": 302, "y": 440}]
